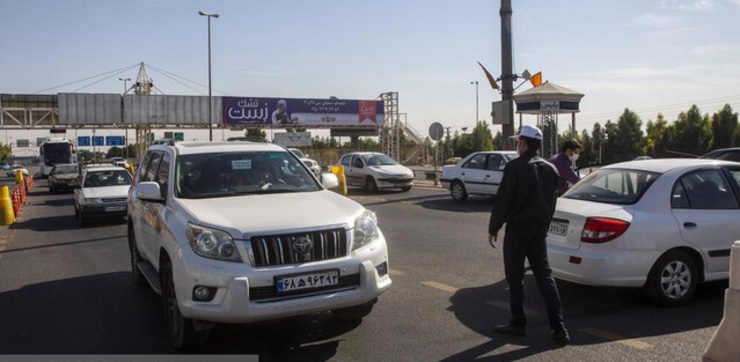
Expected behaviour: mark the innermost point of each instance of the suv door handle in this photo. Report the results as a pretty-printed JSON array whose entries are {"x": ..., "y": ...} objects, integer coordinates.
[{"x": 689, "y": 225}]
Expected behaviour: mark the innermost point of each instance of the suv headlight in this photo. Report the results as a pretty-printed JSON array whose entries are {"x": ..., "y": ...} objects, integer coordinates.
[
  {"x": 212, "y": 243},
  {"x": 366, "y": 230}
]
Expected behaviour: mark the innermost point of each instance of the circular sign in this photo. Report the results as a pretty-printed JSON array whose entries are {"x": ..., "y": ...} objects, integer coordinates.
[{"x": 436, "y": 131}]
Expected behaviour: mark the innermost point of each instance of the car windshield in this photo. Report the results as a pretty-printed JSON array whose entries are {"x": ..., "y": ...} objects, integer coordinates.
[
  {"x": 67, "y": 169},
  {"x": 298, "y": 153},
  {"x": 105, "y": 178},
  {"x": 613, "y": 186},
  {"x": 226, "y": 174},
  {"x": 377, "y": 159}
]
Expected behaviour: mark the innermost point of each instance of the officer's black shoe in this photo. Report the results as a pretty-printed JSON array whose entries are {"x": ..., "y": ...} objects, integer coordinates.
[
  {"x": 561, "y": 336},
  {"x": 511, "y": 330}
]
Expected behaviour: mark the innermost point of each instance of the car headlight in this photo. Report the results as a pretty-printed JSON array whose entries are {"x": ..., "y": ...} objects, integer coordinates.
[
  {"x": 91, "y": 201},
  {"x": 366, "y": 230},
  {"x": 212, "y": 243}
]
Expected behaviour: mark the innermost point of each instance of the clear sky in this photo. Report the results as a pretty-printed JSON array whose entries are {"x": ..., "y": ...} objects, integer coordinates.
[{"x": 651, "y": 56}]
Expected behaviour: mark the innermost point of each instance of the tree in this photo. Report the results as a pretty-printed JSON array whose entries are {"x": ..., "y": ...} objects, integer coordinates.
[
  {"x": 255, "y": 132},
  {"x": 624, "y": 138},
  {"x": 657, "y": 138},
  {"x": 691, "y": 133},
  {"x": 723, "y": 128}
]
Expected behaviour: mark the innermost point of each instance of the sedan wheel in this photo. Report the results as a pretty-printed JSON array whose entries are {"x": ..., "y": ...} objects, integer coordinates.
[
  {"x": 458, "y": 192},
  {"x": 371, "y": 185},
  {"x": 672, "y": 280}
]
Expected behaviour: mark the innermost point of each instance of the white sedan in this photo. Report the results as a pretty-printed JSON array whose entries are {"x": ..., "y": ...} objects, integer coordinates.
[
  {"x": 479, "y": 173},
  {"x": 662, "y": 225},
  {"x": 375, "y": 171}
]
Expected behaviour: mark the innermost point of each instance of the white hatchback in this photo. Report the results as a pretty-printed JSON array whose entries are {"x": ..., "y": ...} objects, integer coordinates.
[
  {"x": 663, "y": 225},
  {"x": 375, "y": 171}
]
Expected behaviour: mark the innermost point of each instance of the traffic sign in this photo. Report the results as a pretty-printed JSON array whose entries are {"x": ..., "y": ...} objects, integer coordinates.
[
  {"x": 98, "y": 140},
  {"x": 436, "y": 131},
  {"x": 83, "y": 141},
  {"x": 115, "y": 141}
]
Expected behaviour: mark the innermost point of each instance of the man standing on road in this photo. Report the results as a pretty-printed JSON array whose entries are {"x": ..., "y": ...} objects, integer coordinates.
[
  {"x": 564, "y": 162},
  {"x": 525, "y": 202}
]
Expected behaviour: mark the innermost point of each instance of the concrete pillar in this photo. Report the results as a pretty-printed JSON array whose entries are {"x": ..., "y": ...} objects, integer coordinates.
[{"x": 723, "y": 346}]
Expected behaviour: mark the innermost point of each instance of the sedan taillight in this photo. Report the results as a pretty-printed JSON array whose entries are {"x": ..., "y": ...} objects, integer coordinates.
[{"x": 600, "y": 230}]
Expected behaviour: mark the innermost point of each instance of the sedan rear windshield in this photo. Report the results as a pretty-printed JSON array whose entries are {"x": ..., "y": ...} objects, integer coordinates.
[{"x": 613, "y": 186}]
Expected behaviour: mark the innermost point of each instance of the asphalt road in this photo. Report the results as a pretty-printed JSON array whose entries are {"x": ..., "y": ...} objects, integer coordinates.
[{"x": 66, "y": 290}]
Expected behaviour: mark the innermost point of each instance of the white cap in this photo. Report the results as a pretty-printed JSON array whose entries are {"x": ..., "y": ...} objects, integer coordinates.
[{"x": 529, "y": 132}]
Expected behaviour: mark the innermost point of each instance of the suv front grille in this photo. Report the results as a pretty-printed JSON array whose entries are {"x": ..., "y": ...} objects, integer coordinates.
[{"x": 281, "y": 250}]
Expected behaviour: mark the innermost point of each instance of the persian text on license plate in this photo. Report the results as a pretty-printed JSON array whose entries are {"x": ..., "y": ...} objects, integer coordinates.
[
  {"x": 558, "y": 228},
  {"x": 307, "y": 281},
  {"x": 114, "y": 208}
]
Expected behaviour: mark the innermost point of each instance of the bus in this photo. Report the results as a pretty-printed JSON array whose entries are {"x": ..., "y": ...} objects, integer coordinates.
[{"x": 53, "y": 151}]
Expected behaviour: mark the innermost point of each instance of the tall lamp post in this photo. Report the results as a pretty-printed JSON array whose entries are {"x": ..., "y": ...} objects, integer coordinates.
[
  {"x": 125, "y": 127},
  {"x": 476, "y": 112},
  {"x": 210, "y": 100}
]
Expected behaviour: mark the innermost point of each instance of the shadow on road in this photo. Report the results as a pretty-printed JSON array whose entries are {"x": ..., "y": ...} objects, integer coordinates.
[
  {"x": 590, "y": 313},
  {"x": 107, "y": 314}
]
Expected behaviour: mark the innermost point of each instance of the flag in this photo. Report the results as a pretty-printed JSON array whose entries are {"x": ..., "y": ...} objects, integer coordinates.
[
  {"x": 536, "y": 79},
  {"x": 489, "y": 76}
]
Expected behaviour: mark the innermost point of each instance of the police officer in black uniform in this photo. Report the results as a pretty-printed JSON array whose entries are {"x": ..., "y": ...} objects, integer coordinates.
[{"x": 525, "y": 202}]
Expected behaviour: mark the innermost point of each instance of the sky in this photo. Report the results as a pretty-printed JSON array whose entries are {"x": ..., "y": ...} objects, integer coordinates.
[{"x": 657, "y": 56}]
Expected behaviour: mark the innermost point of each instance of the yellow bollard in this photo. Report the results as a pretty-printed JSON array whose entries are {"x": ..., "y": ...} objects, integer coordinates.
[
  {"x": 339, "y": 171},
  {"x": 7, "y": 215},
  {"x": 18, "y": 177}
]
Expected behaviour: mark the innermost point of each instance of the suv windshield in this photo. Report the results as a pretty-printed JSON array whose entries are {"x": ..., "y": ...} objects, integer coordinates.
[
  {"x": 223, "y": 174},
  {"x": 613, "y": 186}
]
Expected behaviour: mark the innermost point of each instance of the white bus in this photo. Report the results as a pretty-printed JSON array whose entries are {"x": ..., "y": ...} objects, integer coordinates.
[{"x": 53, "y": 151}]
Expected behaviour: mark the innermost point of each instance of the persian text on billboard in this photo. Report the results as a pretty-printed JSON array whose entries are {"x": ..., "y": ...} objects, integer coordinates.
[{"x": 294, "y": 112}]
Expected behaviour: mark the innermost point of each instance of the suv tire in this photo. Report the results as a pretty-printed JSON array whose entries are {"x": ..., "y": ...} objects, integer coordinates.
[
  {"x": 136, "y": 276},
  {"x": 181, "y": 330}
]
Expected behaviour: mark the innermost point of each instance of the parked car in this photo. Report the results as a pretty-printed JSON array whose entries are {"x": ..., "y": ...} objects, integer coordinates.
[
  {"x": 479, "y": 173},
  {"x": 64, "y": 177},
  {"x": 14, "y": 168},
  {"x": 4, "y": 167},
  {"x": 238, "y": 232},
  {"x": 119, "y": 161},
  {"x": 375, "y": 171},
  {"x": 102, "y": 193},
  {"x": 662, "y": 225},
  {"x": 311, "y": 163},
  {"x": 730, "y": 154}
]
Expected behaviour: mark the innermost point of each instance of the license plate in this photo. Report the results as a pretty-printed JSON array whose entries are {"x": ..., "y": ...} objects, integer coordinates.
[
  {"x": 114, "y": 208},
  {"x": 307, "y": 281},
  {"x": 558, "y": 228}
]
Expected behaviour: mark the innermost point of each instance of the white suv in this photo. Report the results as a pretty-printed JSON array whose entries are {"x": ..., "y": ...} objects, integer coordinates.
[{"x": 237, "y": 232}]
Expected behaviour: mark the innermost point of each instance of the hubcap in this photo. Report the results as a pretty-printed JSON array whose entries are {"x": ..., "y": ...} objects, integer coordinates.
[{"x": 675, "y": 279}]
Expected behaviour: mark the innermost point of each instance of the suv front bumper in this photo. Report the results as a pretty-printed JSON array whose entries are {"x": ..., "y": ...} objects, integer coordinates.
[{"x": 236, "y": 281}]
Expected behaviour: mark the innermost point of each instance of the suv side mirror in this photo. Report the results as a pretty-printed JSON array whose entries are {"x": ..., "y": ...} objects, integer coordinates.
[{"x": 149, "y": 191}]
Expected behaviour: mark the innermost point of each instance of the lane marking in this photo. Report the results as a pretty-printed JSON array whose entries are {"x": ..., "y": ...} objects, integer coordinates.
[
  {"x": 439, "y": 286},
  {"x": 613, "y": 337},
  {"x": 395, "y": 272}
]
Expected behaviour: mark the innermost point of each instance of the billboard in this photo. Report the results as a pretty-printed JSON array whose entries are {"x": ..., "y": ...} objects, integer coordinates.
[{"x": 299, "y": 112}]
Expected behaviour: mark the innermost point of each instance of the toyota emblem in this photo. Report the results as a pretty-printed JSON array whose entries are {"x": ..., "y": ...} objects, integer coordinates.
[{"x": 302, "y": 245}]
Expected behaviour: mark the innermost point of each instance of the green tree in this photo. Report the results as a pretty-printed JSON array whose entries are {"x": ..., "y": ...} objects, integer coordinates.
[
  {"x": 724, "y": 124},
  {"x": 691, "y": 133},
  {"x": 627, "y": 137},
  {"x": 657, "y": 138}
]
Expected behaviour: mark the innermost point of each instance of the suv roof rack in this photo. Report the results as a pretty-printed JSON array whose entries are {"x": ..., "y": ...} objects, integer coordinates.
[
  {"x": 164, "y": 141},
  {"x": 249, "y": 138}
]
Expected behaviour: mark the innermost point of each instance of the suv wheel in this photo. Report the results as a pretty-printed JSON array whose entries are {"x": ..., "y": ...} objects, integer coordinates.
[
  {"x": 181, "y": 330},
  {"x": 136, "y": 276}
]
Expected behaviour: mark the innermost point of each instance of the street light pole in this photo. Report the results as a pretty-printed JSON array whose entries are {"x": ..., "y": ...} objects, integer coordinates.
[
  {"x": 125, "y": 127},
  {"x": 210, "y": 100},
  {"x": 476, "y": 102}
]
